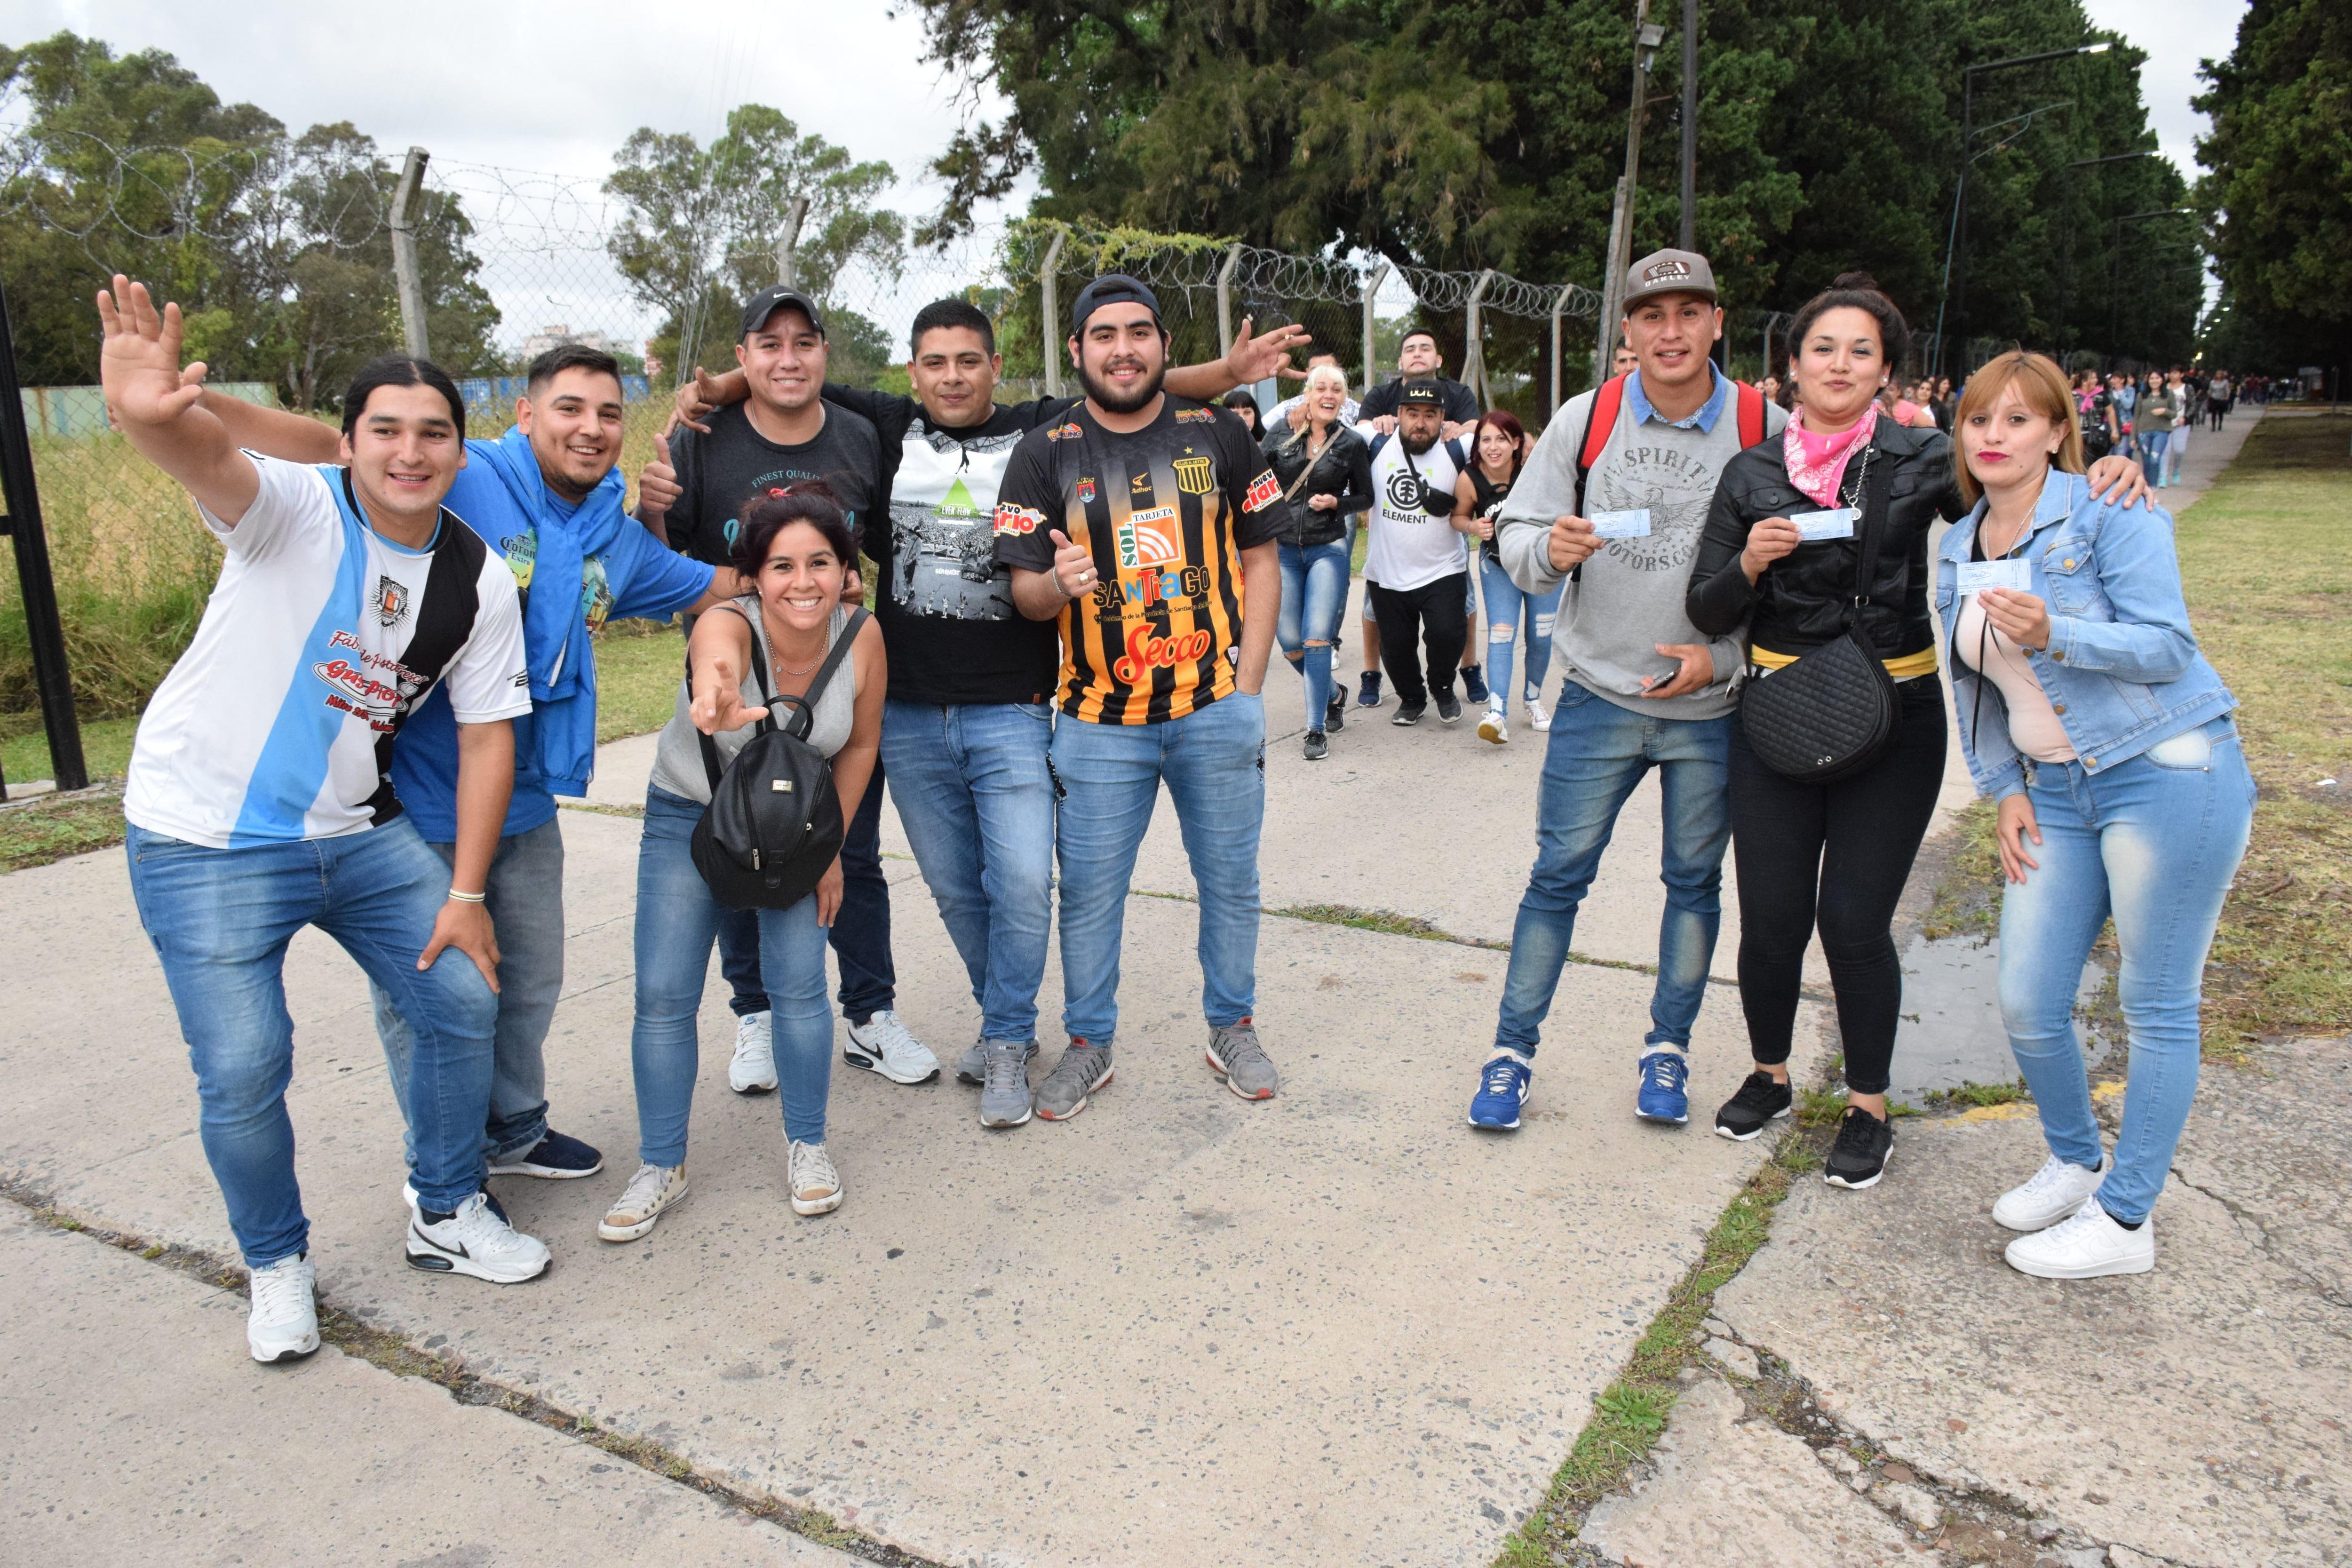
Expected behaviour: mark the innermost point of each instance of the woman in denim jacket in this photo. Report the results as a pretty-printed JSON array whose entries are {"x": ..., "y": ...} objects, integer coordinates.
[{"x": 2108, "y": 739}]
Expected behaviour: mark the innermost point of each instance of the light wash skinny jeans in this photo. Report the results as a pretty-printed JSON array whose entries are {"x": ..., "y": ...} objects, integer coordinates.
[
  {"x": 2154, "y": 841},
  {"x": 1313, "y": 598},
  {"x": 1506, "y": 603}
]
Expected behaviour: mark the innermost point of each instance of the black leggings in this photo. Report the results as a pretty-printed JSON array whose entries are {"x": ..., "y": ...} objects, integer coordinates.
[
  {"x": 1434, "y": 614},
  {"x": 1838, "y": 854}
]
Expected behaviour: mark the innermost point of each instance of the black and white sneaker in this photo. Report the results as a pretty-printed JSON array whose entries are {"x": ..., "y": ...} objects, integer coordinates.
[
  {"x": 1335, "y": 715},
  {"x": 1407, "y": 714},
  {"x": 557, "y": 1157},
  {"x": 1449, "y": 708},
  {"x": 1761, "y": 1100},
  {"x": 1859, "y": 1157},
  {"x": 473, "y": 1240},
  {"x": 1318, "y": 746}
]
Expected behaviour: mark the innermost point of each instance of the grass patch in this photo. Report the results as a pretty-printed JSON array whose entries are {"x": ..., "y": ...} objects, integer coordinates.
[
  {"x": 1972, "y": 1093},
  {"x": 1631, "y": 1414},
  {"x": 51, "y": 827},
  {"x": 639, "y": 664},
  {"x": 1967, "y": 895}
]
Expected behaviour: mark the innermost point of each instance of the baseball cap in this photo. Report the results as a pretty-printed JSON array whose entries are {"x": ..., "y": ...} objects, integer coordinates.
[
  {"x": 1668, "y": 272},
  {"x": 1110, "y": 288},
  {"x": 778, "y": 297},
  {"x": 1420, "y": 389}
]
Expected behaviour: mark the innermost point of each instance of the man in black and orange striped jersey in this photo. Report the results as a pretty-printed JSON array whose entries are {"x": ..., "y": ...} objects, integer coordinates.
[{"x": 1145, "y": 524}]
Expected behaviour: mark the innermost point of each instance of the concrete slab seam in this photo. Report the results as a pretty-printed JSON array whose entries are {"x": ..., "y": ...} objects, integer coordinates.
[{"x": 390, "y": 1352}]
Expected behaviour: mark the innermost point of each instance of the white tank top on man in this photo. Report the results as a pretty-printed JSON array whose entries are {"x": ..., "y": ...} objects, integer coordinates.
[{"x": 1412, "y": 548}]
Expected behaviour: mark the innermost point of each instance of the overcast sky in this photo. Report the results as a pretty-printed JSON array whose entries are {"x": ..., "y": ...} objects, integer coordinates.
[{"x": 556, "y": 88}]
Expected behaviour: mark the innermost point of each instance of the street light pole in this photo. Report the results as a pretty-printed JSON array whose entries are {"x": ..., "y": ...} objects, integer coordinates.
[
  {"x": 1960, "y": 205},
  {"x": 1647, "y": 37},
  {"x": 1690, "y": 125}
]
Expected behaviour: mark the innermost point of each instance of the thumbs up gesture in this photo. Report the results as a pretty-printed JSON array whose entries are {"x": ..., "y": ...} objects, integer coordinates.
[
  {"x": 1074, "y": 566},
  {"x": 657, "y": 486}
]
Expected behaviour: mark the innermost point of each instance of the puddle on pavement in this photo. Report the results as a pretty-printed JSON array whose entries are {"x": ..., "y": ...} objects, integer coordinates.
[{"x": 1952, "y": 1031}]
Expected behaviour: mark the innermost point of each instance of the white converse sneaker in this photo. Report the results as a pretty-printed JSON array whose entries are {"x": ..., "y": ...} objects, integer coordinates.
[
  {"x": 753, "y": 1071},
  {"x": 284, "y": 1322},
  {"x": 1496, "y": 727},
  {"x": 475, "y": 1240},
  {"x": 2087, "y": 1247},
  {"x": 653, "y": 1189},
  {"x": 2056, "y": 1190},
  {"x": 816, "y": 1184},
  {"x": 886, "y": 1045},
  {"x": 1538, "y": 719}
]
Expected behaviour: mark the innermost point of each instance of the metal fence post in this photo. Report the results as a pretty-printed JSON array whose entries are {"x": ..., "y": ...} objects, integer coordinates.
[
  {"x": 34, "y": 583},
  {"x": 1559, "y": 308},
  {"x": 1474, "y": 351},
  {"x": 1225, "y": 299},
  {"x": 788, "y": 244},
  {"x": 404, "y": 252},
  {"x": 1052, "y": 313},
  {"x": 1371, "y": 345},
  {"x": 1610, "y": 282}
]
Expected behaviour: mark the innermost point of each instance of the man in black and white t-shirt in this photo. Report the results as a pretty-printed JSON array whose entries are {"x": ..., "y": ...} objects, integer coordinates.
[
  {"x": 259, "y": 800},
  {"x": 1417, "y": 563},
  {"x": 965, "y": 729}
]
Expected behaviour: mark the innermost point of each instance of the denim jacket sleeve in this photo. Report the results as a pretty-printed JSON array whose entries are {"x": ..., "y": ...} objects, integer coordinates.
[{"x": 2116, "y": 603}]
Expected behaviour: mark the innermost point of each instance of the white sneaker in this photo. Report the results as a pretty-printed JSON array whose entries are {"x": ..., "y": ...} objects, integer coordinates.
[
  {"x": 2087, "y": 1247},
  {"x": 884, "y": 1044},
  {"x": 1538, "y": 719},
  {"x": 753, "y": 1071},
  {"x": 2056, "y": 1190},
  {"x": 816, "y": 1184},
  {"x": 475, "y": 1240},
  {"x": 285, "y": 1318},
  {"x": 1496, "y": 727},
  {"x": 653, "y": 1189}
]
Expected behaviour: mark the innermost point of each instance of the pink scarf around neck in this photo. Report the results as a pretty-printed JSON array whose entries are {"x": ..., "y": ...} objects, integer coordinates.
[{"x": 1817, "y": 463}]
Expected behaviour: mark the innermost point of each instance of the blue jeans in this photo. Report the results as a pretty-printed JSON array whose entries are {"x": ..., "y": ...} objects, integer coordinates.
[
  {"x": 526, "y": 905},
  {"x": 1505, "y": 604},
  {"x": 975, "y": 794},
  {"x": 1313, "y": 598},
  {"x": 2152, "y": 443},
  {"x": 677, "y": 921},
  {"x": 860, "y": 933},
  {"x": 1598, "y": 753},
  {"x": 2155, "y": 847},
  {"x": 1213, "y": 761},
  {"x": 220, "y": 920}
]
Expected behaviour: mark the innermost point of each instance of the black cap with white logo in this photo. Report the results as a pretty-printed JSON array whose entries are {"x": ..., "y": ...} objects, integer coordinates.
[
  {"x": 775, "y": 298},
  {"x": 1420, "y": 389}
]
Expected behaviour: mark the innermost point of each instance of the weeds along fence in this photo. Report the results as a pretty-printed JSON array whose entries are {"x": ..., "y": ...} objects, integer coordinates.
[{"x": 294, "y": 268}]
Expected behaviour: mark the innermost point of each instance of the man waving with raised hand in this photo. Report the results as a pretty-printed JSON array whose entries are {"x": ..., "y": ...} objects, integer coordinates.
[{"x": 258, "y": 799}]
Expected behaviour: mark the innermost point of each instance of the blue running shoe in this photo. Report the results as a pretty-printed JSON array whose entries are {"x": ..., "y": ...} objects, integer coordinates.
[
  {"x": 1502, "y": 1090},
  {"x": 1662, "y": 1098}
]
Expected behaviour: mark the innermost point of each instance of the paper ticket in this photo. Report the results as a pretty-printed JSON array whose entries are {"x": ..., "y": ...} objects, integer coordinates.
[
  {"x": 1837, "y": 523},
  {"x": 1634, "y": 524},
  {"x": 1976, "y": 577}
]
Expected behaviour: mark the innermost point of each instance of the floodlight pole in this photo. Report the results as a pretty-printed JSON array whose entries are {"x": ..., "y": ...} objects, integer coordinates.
[
  {"x": 1690, "y": 125},
  {"x": 407, "y": 278}
]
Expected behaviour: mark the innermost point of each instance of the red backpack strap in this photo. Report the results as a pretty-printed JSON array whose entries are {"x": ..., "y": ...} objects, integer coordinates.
[
  {"x": 1607, "y": 398},
  {"x": 1751, "y": 415}
]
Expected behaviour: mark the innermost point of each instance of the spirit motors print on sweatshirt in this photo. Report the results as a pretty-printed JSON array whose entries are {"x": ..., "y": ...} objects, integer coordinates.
[
  {"x": 1166, "y": 512},
  {"x": 318, "y": 641}
]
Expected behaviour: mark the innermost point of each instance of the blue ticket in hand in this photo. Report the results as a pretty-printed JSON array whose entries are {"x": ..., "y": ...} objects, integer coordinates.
[
  {"x": 1634, "y": 524},
  {"x": 1837, "y": 523},
  {"x": 1976, "y": 577}
]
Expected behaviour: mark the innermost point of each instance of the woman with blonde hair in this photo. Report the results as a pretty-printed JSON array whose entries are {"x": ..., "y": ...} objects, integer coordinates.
[
  {"x": 1325, "y": 470},
  {"x": 2124, "y": 794}
]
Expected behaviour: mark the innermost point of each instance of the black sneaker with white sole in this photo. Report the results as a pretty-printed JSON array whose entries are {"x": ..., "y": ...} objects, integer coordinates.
[
  {"x": 557, "y": 1157},
  {"x": 1761, "y": 1100},
  {"x": 1859, "y": 1156},
  {"x": 1407, "y": 714},
  {"x": 1335, "y": 716},
  {"x": 1318, "y": 746},
  {"x": 1449, "y": 708}
]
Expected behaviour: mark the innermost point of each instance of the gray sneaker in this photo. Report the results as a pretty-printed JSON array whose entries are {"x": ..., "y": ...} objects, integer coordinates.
[
  {"x": 1004, "y": 1086},
  {"x": 973, "y": 1065},
  {"x": 1237, "y": 1057},
  {"x": 1083, "y": 1069}
]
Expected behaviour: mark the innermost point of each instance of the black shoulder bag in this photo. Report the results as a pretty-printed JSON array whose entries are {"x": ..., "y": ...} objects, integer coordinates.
[
  {"x": 1834, "y": 711},
  {"x": 773, "y": 824}
]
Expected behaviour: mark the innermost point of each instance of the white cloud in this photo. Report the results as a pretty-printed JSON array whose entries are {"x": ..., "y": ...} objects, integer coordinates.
[{"x": 2176, "y": 34}]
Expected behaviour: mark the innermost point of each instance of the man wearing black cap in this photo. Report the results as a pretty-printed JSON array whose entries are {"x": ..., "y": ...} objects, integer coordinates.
[
  {"x": 1416, "y": 568},
  {"x": 780, "y": 436},
  {"x": 1145, "y": 524}
]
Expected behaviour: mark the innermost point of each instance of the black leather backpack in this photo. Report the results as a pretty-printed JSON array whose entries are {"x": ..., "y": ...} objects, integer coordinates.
[{"x": 773, "y": 824}]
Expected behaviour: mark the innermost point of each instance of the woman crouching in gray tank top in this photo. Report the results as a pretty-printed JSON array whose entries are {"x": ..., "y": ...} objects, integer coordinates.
[{"x": 798, "y": 549}]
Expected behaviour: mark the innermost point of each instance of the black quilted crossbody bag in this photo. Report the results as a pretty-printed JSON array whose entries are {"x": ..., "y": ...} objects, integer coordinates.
[{"x": 1834, "y": 711}]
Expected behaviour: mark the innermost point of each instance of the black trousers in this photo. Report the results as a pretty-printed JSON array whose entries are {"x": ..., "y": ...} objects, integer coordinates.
[
  {"x": 1833, "y": 857},
  {"x": 1434, "y": 616}
]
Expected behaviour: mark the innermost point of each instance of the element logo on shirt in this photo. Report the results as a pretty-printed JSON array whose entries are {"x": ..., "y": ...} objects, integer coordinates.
[{"x": 391, "y": 602}]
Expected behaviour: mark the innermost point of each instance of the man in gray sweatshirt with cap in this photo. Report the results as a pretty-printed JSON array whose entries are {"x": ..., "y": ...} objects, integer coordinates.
[{"x": 1611, "y": 502}]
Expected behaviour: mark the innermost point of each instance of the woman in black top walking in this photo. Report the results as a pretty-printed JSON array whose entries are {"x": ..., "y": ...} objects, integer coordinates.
[
  {"x": 1833, "y": 856},
  {"x": 1324, "y": 470},
  {"x": 1498, "y": 449}
]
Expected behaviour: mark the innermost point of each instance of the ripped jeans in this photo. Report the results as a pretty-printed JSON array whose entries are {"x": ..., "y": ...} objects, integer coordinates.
[{"x": 1505, "y": 603}]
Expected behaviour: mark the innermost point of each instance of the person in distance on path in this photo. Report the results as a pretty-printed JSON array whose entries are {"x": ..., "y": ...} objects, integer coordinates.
[
  {"x": 258, "y": 802},
  {"x": 546, "y": 498},
  {"x": 1146, "y": 525},
  {"x": 1644, "y": 689},
  {"x": 966, "y": 730}
]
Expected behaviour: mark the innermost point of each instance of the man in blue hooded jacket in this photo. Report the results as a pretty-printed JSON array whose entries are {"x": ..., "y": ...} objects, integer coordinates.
[{"x": 548, "y": 497}]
